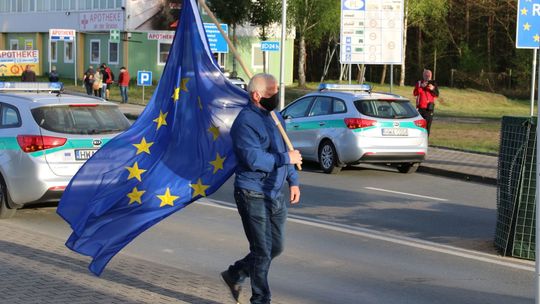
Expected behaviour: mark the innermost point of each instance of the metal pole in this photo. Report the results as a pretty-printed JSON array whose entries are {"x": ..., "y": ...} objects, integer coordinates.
[
  {"x": 282, "y": 54},
  {"x": 350, "y": 73},
  {"x": 533, "y": 81},
  {"x": 75, "y": 58},
  {"x": 391, "y": 77},
  {"x": 50, "y": 57},
  {"x": 537, "y": 238}
]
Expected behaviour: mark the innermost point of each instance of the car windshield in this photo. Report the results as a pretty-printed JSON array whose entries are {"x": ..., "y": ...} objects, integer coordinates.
[
  {"x": 392, "y": 109},
  {"x": 81, "y": 119}
]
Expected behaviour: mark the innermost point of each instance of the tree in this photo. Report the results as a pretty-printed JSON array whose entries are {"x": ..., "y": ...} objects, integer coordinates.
[
  {"x": 313, "y": 19},
  {"x": 263, "y": 14},
  {"x": 233, "y": 13}
]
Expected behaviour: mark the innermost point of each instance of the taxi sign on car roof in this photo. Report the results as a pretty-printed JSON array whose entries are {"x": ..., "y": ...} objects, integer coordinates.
[
  {"x": 31, "y": 86},
  {"x": 345, "y": 87}
]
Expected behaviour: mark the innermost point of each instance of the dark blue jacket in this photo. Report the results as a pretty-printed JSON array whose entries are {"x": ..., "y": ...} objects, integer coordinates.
[{"x": 261, "y": 153}]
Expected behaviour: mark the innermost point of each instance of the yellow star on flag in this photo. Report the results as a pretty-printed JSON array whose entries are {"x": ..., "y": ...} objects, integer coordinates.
[
  {"x": 217, "y": 163},
  {"x": 183, "y": 84},
  {"x": 524, "y": 11},
  {"x": 199, "y": 188},
  {"x": 527, "y": 26},
  {"x": 143, "y": 146},
  {"x": 167, "y": 199},
  {"x": 215, "y": 131},
  {"x": 161, "y": 120},
  {"x": 135, "y": 196},
  {"x": 176, "y": 94},
  {"x": 135, "y": 172},
  {"x": 536, "y": 38}
]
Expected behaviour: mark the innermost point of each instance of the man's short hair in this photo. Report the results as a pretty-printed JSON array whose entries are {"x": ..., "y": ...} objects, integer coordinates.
[{"x": 258, "y": 83}]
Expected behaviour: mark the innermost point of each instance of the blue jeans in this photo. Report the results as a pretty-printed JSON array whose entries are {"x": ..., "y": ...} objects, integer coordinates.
[
  {"x": 124, "y": 94},
  {"x": 264, "y": 224}
]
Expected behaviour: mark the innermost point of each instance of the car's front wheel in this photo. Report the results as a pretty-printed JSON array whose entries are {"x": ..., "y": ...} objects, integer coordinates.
[
  {"x": 5, "y": 211},
  {"x": 408, "y": 167},
  {"x": 328, "y": 158}
]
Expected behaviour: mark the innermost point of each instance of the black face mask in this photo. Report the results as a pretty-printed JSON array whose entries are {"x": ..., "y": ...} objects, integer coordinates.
[{"x": 270, "y": 103}]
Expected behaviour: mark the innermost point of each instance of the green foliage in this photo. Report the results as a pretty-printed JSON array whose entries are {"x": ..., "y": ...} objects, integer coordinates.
[
  {"x": 314, "y": 19},
  {"x": 264, "y": 13},
  {"x": 426, "y": 13},
  {"x": 471, "y": 61},
  {"x": 231, "y": 12}
]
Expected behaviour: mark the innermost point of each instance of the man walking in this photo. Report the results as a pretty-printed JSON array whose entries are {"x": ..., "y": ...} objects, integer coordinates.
[
  {"x": 28, "y": 75},
  {"x": 263, "y": 166},
  {"x": 426, "y": 91},
  {"x": 88, "y": 80},
  {"x": 123, "y": 84}
]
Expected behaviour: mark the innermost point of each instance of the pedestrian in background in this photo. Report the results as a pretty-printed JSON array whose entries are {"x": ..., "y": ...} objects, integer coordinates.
[
  {"x": 263, "y": 166},
  {"x": 123, "y": 83},
  {"x": 97, "y": 85},
  {"x": 28, "y": 75},
  {"x": 86, "y": 80},
  {"x": 108, "y": 79},
  {"x": 53, "y": 75},
  {"x": 426, "y": 91}
]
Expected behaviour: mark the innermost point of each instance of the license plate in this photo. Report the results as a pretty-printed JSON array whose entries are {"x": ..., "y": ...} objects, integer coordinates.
[
  {"x": 84, "y": 154},
  {"x": 395, "y": 132}
]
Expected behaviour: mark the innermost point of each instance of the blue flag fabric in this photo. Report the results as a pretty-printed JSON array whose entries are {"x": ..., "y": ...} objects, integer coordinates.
[{"x": 178, "y": 150}]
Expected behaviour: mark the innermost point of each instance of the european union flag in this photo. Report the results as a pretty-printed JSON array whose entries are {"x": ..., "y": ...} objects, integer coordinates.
[
  {"x": 528, "y": 24},
  {"x": 178, "y": 150}
]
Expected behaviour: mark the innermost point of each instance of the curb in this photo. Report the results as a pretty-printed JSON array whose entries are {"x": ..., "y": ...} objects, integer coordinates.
[{"x": 458, "y": 175}]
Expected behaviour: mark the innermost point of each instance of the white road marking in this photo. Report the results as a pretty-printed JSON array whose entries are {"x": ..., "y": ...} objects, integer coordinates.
[
  {"x": 395, "y": 239},
  {"x": 409, "y": 194}
]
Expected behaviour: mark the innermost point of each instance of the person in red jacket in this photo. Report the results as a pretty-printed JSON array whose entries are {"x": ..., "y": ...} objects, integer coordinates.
[
  {"x": 123, "y": 83},
  {"x": 426, "y": 91}
]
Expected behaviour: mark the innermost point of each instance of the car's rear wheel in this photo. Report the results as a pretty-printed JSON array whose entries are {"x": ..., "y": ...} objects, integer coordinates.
[
  {"x": 328, "y": 158},
  {"x": 5, "y": 211},
  {"x": 408, "y": 168}
]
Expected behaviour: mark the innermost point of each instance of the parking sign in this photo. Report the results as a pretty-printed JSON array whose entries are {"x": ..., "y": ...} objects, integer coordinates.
[{"x": 144, "y": 78}]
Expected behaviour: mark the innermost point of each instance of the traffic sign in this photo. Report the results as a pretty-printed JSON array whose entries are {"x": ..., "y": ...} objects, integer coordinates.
[
  {"x": 144, "y": 78},
  {"x": 270, "y": 46},
  {"x": 528, "y": 24},
  {"x": 114, "y": 35},
  {"x": 217, "y": 42}
]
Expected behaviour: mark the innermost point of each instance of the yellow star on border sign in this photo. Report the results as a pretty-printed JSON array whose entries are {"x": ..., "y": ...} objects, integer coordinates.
[
  {"x": 183, "y": 84},
  {"x": 199, "y": 188},
  {"x": 135, "y": 172},
  {"x": 135, "y": 196},
  {"x": 536, "y": 38},
  {"x": 524, "y": 11},
  {"x": 218, "y": 163},
  {"x": 167, "y": 199},
  {"x": 215, "y": 131},
  {"x": 527, "y": 26},
  {"x": 143, "y": 146},
  {"x": 161, "y": 120}
]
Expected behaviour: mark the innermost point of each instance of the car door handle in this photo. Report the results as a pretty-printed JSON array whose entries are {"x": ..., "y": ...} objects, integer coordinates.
[
  {"x": 296, "y": 126},
  {"x": 322, "y": 123}
]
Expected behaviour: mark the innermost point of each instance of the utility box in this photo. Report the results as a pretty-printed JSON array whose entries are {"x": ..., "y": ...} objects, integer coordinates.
[{"x": 516, "y": 188}]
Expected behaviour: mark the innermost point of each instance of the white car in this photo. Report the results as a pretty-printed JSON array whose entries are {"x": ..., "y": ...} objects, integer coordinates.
[
  {"x": 45, "y": 137},
  {"x": 342, "y": 125}
]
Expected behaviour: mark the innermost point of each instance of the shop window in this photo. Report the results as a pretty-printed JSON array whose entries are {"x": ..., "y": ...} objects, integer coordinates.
[
  {"x": 54, "y": 53},
  {"x": 68, "y": 52},
  {"x": 163, "y": 52},
  {"x": 95, "y": 51},
  {"x": 113, "y": 52},
  {"x": 14, "y": 44}
]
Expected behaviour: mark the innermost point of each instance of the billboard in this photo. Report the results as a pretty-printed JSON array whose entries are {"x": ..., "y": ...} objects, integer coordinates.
[
  {"x": 13, "y": 63},
  {"x": 371, "y": 31}
]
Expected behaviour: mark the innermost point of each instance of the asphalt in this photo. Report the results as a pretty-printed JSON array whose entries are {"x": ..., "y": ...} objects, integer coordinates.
[
  {"x": 37, "y": 268},
  {"x": 452, "y": 163}
]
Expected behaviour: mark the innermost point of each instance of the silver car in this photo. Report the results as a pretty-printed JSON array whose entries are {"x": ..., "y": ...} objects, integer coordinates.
[
  {"x": 348, "y": 124},
  {"x": 45, "y": 137}
]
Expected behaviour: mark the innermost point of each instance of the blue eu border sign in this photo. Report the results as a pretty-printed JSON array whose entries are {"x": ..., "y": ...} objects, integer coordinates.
[
  {"x": 270, "y": 46},
  {"x": 144, "y": 78},
  {"x": 528, "y": 24}
]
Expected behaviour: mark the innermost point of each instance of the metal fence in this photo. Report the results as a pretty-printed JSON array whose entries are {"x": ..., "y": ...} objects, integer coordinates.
[{"x": 516, "y": 188}]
